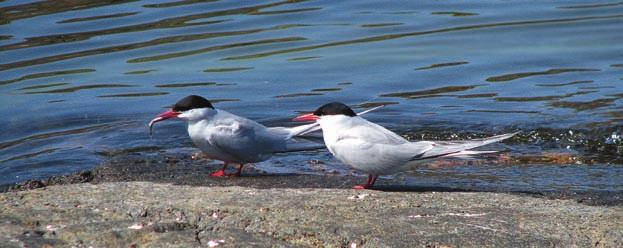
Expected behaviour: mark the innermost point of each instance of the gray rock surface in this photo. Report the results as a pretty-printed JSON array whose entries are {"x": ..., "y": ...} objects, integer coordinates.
[{"x": 148, "y": 214}]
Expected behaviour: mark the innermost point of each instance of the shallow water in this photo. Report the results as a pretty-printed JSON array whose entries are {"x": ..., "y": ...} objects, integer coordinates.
[{"x": 79, "y": 79}]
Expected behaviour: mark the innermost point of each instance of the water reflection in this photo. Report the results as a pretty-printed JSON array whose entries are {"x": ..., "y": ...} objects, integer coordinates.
[
  {"x": 135, "y": 94},
  {"x": 78, "y": 88},
  {"x": 431, "y": 92},
  {"x": 46, "y": 74},
  {"x": 72, "y": 65},
  {"x": 479, "y": 95},
  {"x": 303, "y": 58},
  {"x": 380, "y": 25},
  {"x": 278, "y": 12},
  {"x": 176, "y": 3},
  {"x": 540, "y": 98},
  {"x": 454, "y": 13},
  {"x": 212, "y": 48},
  {"x": 442, "y": 65},
  {"x": 503, "y": 111},
  {"x": 30, "y": 155},
  {"x": 374, "y": 104},
  {"x": 231, "y": 69},
  {"x": 297, "y": 95},
  {"x": 183, "y": 85},
  {"x": 6, "y": 144},
  {"x": 139, "y": 72},
  {"x": 585, "y": 105},
  {"x": 29, "y": 10},
  {"x": 588, "y": 6},
  {"x": 513, "y": 76},
  {"x": 326, "y": 89},
  {"x": 174, "y": 22},
  {"x": 99, "y": 17},
  {"x": 402, "y": 35},
  {"x": 41, "y": 86},
  {"x": 565, "y": 84}
]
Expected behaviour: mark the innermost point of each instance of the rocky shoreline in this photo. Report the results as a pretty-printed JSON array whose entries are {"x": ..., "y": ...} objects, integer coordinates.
[
  {"x": 146, "y": 214},
  {"x": 170, "y": 202}
]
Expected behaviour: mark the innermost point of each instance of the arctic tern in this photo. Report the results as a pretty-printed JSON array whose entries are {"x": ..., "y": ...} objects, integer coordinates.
[{"x": 374, "y": 150}]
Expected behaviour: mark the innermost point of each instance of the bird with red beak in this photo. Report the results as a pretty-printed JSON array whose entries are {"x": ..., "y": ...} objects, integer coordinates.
[
  {"x": 374, "y": 150},
  {"x": 233, "y": 139}
]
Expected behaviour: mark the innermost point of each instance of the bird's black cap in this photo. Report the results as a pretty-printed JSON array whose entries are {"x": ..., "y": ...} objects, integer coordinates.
[
  {"x": 192, "y": 102},
  {"x": 334, "y": 108}
]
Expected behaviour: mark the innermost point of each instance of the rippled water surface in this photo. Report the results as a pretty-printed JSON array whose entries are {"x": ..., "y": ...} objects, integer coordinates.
[{"x": 81, "y": 79}]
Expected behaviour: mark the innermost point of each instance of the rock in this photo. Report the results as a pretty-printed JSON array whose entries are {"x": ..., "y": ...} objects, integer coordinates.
[{"x": 148, "y": 214}]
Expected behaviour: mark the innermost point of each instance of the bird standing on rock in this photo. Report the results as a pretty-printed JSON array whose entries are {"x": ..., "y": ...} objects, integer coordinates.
[
  {"x": 374, "y": 150},
  {"x": 227, "y": 137}
]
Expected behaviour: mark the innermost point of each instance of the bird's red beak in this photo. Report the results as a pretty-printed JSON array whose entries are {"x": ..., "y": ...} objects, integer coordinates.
[
  {"x": 161, "y": 117},
  {"x": 307, "y": 117}
]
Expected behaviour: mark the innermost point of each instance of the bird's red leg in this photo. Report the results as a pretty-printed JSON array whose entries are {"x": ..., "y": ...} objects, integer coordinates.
[
  {"x": 221, "y": 172},
  {"x": 237, "y": 174},
  {"x": 371, "y": 180}
]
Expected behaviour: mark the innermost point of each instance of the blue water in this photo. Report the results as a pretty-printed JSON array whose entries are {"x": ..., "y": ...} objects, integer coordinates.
[{"x": 80, "y": 81}]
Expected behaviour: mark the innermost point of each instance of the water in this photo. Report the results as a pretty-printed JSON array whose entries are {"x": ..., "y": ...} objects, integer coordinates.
[{"x": 78, "y": 81}]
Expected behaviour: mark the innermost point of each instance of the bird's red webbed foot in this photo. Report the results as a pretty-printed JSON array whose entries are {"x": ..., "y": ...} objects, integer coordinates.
[
  {"x": 238, "y": 172},
  {"x": 218, "y": 173},
  {"x": 369, "y": 184},
  {"x": 221, "y": 172}
]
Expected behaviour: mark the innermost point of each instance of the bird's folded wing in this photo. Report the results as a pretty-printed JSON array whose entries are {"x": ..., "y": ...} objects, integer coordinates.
[
  {"x": 445, "y": 148},
  {"x": 231, "y": 138}
]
